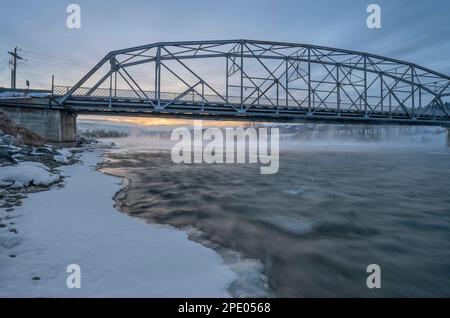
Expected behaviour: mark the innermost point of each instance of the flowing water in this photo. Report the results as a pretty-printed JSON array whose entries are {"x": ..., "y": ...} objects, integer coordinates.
[{"x": 333, "y": 208}]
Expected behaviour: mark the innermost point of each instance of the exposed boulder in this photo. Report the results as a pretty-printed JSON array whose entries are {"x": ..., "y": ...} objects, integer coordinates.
[{"x": 6, "y": 158}]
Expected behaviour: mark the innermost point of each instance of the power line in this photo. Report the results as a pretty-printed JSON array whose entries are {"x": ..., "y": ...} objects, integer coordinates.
[
  {"x": 3, "y": 64},
  {"x": 53, "y": 58},
  {"x": 57, "y": 64},
  {"x": 54, "y": 62}
]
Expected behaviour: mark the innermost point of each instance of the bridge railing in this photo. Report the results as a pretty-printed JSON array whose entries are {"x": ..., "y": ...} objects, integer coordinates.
[
  {"x": 192, "y": 97},
  {"x": 195, "y": 97}
]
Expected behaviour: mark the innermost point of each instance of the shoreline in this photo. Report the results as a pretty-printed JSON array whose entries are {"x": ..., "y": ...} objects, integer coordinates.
[
  {"x": 78, "y": 223},
  {"x": 242, "y": 267}
]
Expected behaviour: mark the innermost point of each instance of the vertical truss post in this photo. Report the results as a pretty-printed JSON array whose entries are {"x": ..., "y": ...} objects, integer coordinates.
[
  {"x": 381, "y": 92},
  {"x": 258, "y": 95},
  {"x": 226, "y": 78},
  {"x": 287, "y": 84},
  {"x": 278, "y": 95},
  {"x": 242, "y": 76},
  {"x": 110, "y": 90},
  {"x": 365, "y": 86},
  {"x": 158, "y": 77},
  {"x": 53, "y": 86},
  {"x": 309, "y": 80},
  {"x": 434, "y": 108},
  {"x": 412, "y": 93},
  {"x": 434, "y": 102},
  {"x": 390, "y": 102},
  {"x": 115, "y": 84},
  {"x": 203, "y": 96},
  {"x": 420, "y": 97},
  {"x": 113, "y": 69},
  {"x": 338, "y": 91},
  {"x": 313, "y": 97}
]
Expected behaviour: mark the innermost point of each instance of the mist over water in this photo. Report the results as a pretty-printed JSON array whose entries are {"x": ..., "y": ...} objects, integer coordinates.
[{"x": 343, "y": 198}]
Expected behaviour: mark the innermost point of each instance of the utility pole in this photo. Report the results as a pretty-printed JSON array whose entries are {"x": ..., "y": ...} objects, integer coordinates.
[{"x": 14, "y": 67}]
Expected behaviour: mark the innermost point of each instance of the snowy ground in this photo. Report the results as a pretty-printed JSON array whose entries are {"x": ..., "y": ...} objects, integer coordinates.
[
  {"x": 25, "y": 173},
  {"x": 119, "y": 256},
  {"x": 9, "y": 95}
]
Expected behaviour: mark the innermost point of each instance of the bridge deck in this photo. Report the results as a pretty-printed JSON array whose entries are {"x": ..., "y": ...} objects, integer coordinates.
[
  {"x": 215, "y": 110},
  {"x": 192, "y": 106}
]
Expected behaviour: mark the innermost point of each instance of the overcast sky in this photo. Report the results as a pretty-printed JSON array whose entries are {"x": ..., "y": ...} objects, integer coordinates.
[{"x": 416, "y": 31}]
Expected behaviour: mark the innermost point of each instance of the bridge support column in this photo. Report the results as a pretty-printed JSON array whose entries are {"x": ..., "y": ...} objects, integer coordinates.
[
  {"x": 54, "y": 125},
  {"x": 448, "y": 136}
]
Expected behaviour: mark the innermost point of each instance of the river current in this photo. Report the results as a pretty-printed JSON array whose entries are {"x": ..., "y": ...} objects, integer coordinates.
[{"x": 340, "y": 201}]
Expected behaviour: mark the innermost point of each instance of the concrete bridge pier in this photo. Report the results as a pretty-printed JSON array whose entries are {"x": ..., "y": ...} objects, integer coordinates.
[
  {"x": 448, "y": 136},
  {"x": 52, "y": 124}
]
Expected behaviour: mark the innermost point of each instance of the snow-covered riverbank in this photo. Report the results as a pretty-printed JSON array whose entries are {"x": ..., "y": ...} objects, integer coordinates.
[{"x": 119, "y": 256}]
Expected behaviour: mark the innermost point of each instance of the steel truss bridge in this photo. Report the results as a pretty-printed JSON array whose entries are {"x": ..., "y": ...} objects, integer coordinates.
[{"x": 260, "y": 80}]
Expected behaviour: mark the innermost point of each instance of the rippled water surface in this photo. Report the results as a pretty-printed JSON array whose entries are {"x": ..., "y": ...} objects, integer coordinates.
[{"x": 316, "y": 224}]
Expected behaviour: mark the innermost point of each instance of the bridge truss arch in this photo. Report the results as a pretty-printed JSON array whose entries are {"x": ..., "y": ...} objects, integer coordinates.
[{"x": 261, "y": 79}]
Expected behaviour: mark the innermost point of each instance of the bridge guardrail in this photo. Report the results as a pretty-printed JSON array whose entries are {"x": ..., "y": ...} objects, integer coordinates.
[
  {"x": 196, "y": 97},
  {"x": 191, "y": 97}
]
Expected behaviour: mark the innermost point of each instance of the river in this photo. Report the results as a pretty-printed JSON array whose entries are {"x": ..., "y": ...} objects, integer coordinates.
[{"x": 341, "y": 200}]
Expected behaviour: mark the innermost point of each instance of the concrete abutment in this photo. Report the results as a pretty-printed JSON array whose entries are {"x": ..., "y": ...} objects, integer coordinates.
[{"x": 53, "y": 125}]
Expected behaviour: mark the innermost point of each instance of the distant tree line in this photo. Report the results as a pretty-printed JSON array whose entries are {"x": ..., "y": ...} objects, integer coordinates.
[{"x": 103, "y": 133}]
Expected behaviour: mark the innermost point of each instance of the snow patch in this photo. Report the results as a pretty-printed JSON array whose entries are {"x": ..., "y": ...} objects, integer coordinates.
[
  {"x": 25, "y": 174},
  {"x": 64, "y": 156},
  {"x": 21, "y": 95},
  {"x": 11, "y": 94},
  {"x": 119, "y": 256}
]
